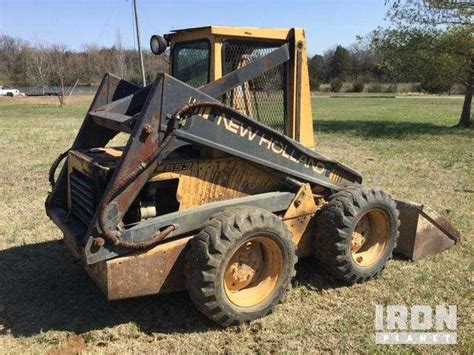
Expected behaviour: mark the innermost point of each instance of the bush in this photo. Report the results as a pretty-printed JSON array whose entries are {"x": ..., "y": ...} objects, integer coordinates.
[
  {"x": 374, "y": 88},
  {"x": 314, "y": 85},
  {"x": 416, "y": 88},
  {"x": 458, "y": 89},
  {"x": 434, "y": 86},
  {"x": 358, "y": 86},
  {"x": 336, "y": 84},
  {"x": 390, "y": 89},
  {"x": 406, "y": 88},
  {"x": 324, "y": 88},
  {"x": 346, "y": 87}
]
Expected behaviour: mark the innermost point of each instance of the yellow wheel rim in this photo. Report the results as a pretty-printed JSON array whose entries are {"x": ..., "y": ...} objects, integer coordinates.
[
  {"x": 253, "y": 272},
  {"x": 370, "y": 238}
]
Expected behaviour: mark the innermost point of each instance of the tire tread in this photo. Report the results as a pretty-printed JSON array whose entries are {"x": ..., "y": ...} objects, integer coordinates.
[
  {"x": 207, "y": 251},
  {"x": 334, "y": 225}
]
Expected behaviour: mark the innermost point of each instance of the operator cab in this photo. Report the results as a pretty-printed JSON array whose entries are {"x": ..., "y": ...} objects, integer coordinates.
[{"x": 276, "y": 98}]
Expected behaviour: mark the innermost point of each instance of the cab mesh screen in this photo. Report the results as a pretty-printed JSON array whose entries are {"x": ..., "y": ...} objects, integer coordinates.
[{"x": 264, "y": 97}]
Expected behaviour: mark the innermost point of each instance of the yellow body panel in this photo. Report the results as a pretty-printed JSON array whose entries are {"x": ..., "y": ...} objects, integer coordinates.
[
  {"x": 211, "y": 180},
  {"x": 303, "y": 128},
  {"x": 230, "y": 31},
  {"x": 298, "y": 219}
]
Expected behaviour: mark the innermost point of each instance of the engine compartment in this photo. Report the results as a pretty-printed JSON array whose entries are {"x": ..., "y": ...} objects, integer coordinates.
[{"x": 181, "y": 182}]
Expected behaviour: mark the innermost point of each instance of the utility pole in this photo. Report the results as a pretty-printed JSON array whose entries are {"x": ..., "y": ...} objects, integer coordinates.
[{"x": 140, "y": 54}]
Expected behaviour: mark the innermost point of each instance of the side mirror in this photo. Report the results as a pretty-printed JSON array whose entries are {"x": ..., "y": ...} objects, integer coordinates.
[{"x": 158, "y": 44}]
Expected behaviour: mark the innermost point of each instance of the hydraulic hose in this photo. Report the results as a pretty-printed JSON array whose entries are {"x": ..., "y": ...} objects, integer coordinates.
[
  {"x": 54, "y": 167},
  {"x": 113, "y": 235},
  {"x": 186, "y": 109}
]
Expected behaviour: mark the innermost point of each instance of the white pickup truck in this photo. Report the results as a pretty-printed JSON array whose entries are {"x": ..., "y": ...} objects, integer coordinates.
[{"x": 10, "y": 92}]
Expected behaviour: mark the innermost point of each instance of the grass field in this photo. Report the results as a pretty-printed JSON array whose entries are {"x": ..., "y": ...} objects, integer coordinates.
[{"x": 404, "y": 145}]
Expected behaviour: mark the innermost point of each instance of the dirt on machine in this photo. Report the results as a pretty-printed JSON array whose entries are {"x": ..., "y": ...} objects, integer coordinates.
[{"x": 219, "y": 189}]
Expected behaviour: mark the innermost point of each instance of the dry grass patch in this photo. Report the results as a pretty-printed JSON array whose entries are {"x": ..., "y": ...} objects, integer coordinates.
[{"x": 47, "y": 303}]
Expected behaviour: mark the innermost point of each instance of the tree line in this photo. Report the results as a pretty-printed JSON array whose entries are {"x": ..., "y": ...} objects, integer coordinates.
[
  {"x": 433, "y": 62},
  {"x": 429, "y": 42},
  {"x": 367, "y": 60},
  {"x": 358, "y": 64},
  {"x": 23, "y": 63}
]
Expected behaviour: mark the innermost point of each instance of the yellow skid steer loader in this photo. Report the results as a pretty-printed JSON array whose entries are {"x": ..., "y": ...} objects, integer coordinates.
[{"x": 218, "y": 189}]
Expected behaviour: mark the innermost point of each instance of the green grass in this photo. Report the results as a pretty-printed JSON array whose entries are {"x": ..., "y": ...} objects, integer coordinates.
[
  {"x": 404, "y": 145},
  {"x": 407, "y": 146}
]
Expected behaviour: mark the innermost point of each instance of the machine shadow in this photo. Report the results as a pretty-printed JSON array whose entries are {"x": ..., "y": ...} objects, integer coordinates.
[
  {"x": 311, "y": 274},
  {"x": 383, "y": 129},
  {"x": 43, "y": 288}
]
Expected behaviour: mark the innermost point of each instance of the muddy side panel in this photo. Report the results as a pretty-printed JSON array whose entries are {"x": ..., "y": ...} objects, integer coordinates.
[
  {"x": 204, "y": 181},
  {"x": 160, "y": 269}
]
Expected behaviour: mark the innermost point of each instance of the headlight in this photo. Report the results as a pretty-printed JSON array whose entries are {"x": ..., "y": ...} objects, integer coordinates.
[{"x": 158, "y": 44}]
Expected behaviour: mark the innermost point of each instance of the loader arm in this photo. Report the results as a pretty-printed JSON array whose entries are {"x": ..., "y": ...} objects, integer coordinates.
[
  {"x": 217, "y": 126},
  {"x": 220, "y": 127},
  {"x": 148, "y": 115}
]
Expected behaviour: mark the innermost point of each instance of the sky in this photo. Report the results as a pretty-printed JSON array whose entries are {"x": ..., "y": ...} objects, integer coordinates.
[{"x": 75, "y": 23}]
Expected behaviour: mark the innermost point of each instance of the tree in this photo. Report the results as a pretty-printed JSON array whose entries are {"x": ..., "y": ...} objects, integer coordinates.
[
  {"x": 315, "y": 68},
  {"x": 91, "y": 65},
  {"x": 119, "y": 55},
  {"x": 63, "y": 69},
  {"x": 434, "y": 34},
  {"x": 12, "y": 60},
  {"x": 38, "y": 65},
  {"x": 363, "y": 60},
  {"x": 426, "y": 57},
  {"x": 340, "y": 63},
  {"x": 154, "y": 64}
]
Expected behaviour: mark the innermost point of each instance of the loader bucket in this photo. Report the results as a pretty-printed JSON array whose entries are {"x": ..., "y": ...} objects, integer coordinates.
[{"x": 423, "y": 231}]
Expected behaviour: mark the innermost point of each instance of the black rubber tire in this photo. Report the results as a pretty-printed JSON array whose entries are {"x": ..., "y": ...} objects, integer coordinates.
[
  {"x": 9, "y": 94},
  {"x": 335, "y": 223},
  {"x": 214, "y": 246}
]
